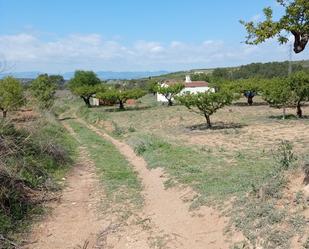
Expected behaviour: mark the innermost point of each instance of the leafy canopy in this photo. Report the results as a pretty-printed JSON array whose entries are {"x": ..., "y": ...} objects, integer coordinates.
[
  {"x": 43, "y": 90},
  {"x": 170, "y": 91},
  {"x": 11, "y": 94},
  {"x": 206, "y": 103},
  {"x": 85, "y": 84},
  {"x": 294, "y": 21},
  {"x": 120, "y": 96}
]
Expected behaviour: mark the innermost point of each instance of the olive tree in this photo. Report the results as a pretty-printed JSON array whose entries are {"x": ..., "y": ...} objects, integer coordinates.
[
  {"x": 206, "y": 103},
  {"x": 11, "y": 95},
  {"x": 84, "y": 84},
  {"x": 120, "y": 96},
  {"x": 295, "y": 21},
  {"x": 169, "y": 91},
  {"x": 43, "y": 90}
]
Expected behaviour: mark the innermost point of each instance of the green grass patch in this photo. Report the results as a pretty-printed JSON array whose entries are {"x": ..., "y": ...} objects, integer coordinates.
[
  {"x": 213, "y": 174},
  {"x": 120, "y": 181}
]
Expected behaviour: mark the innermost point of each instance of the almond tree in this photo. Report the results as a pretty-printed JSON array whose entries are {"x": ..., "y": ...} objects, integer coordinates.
[
  {"x": 206, "y": 103},
  {"x": 169, "y": 92},
  {"x": 295, "y": 21},
  {"x": 11, "y": 95},
  {"x": 120, "y": 96},
  {"x": 84, "y": 84}
]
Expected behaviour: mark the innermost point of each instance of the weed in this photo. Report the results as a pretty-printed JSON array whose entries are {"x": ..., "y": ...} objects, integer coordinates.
[
  {"x": 118, "y": 131},
  {"x": 285, "y": 155},
  {"x": 131, "y": 129}
]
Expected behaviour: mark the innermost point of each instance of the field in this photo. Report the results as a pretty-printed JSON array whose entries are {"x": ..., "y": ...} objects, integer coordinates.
[{"x": 236, "y": 164}]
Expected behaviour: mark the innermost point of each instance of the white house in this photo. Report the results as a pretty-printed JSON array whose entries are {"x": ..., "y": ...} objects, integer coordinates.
[{"x": 190, "y": 87}]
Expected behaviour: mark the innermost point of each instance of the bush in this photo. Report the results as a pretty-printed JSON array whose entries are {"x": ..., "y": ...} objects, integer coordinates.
[{"x": 29, "y": 164}]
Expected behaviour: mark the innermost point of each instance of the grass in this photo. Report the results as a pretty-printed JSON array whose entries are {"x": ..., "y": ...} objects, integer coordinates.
[
  {"x": 213, "y": 174},
  {"x": 120, "y": 181}
]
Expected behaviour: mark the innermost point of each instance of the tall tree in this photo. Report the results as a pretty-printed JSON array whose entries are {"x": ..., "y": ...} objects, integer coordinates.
[
  {"x": 84, "y": 84},
  {"x": 169, "y": 92},
  {"x": 295, "y": 21},
  {"x": 11, "y": 95},
  {"x": 206, "y": 103},
  {"x": 43, "y": 89}
]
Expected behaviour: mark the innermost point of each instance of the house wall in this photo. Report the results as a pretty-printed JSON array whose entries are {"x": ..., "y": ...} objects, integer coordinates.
[
  {"x": 161, "y": 98},
  {"x": 94, "y": 102}
]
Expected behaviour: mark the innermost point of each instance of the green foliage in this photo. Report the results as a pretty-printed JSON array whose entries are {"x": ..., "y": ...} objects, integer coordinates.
[
  {"x": 58, "y": 80},
  {"x": 11, "y": 94},
  {"x": 206, "y": 103},
  {"x": 85, "y": 84},
  {"x": 169, "y": 92},
  {"x": 294, "y": 21},
  {"x": 120, "y": 95},
  {"x": 43, "y": 90},
  {"x": 278, "y": 93},
  {"x": 201, "y": 77},
  {"x": 299, "y": 83},
  {"x": 285, "y": 155},
  {"x": 152, "y": 85}
]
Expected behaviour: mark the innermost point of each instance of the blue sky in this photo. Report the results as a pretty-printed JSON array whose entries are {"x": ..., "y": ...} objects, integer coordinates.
[{"x": 131, "y": 35}]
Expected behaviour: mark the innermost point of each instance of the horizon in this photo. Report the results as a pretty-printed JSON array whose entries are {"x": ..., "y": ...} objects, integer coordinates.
[{"x": 132, "y": 37}]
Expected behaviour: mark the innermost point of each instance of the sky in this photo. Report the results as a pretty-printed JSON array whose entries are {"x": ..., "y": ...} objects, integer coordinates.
[{"x": 57, "y": 36}]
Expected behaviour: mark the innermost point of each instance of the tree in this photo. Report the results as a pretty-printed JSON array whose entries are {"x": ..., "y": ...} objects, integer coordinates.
[
  {"x": 121, "y": 96},
  {"x": 200, "y": 76},
  {"x": 295, "y": 21},
  {"x": 278, "y": 93},
  {"x": 169, "y": 91},
  {"x": 152, "y": 86},
  {"x": 249, "y": 88},
  {"x": 206, "y": 103},
  {"x": 58, "y": 80},
  {"x": 11, "y": 95},
  {"x": 299, "y": 84},
  {"x": 43, "y": 89},
  {"x": 85, "y": 84}
]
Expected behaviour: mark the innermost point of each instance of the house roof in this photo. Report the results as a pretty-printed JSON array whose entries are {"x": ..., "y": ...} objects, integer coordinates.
[
  {"x": 196, "y": 84},
  {"x": 187, "y": 84}
]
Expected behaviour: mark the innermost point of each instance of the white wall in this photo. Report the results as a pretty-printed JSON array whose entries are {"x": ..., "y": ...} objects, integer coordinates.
[
  {"x": 94, "y": 102},
  {"x": 161, "y": 98}
]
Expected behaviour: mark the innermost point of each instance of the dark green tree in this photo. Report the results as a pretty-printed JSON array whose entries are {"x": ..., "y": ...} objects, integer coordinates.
[
  {"x": 295, "y": 21},
  {"x": 85, "y": 84}
]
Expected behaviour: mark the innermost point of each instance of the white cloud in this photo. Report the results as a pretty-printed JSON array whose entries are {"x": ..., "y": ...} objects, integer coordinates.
[{"x": 91, "y": 51}]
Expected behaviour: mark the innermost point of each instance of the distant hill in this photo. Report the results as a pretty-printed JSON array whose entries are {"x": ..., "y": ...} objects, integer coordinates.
[
  {"x": 106, "y": 75},
  {"x": 180, "y": 75}
]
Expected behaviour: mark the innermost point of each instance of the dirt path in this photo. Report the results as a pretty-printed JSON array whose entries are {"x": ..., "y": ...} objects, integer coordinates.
[
  {"x": 74, "y": 221},
  {"x": 168, "y": 213}
]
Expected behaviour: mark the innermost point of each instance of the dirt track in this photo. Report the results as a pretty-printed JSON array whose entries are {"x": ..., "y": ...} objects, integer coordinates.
[{"x": 74, "y": 222}]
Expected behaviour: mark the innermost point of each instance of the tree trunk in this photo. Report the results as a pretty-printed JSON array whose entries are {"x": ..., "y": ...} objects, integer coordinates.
[
  {"x": 4, "y": 113},
  {"x": 299, "y": 110},
  {"x": 208, "y": 123},
  {"x": 170, "y": 102},
  {"x": 87, "y": 101},
  {"x": 121, "y": 106},
  {"x": 300, "y": 41},
  {"x": 283, "y": 113},
  {"x": 250, "y": 100}
]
